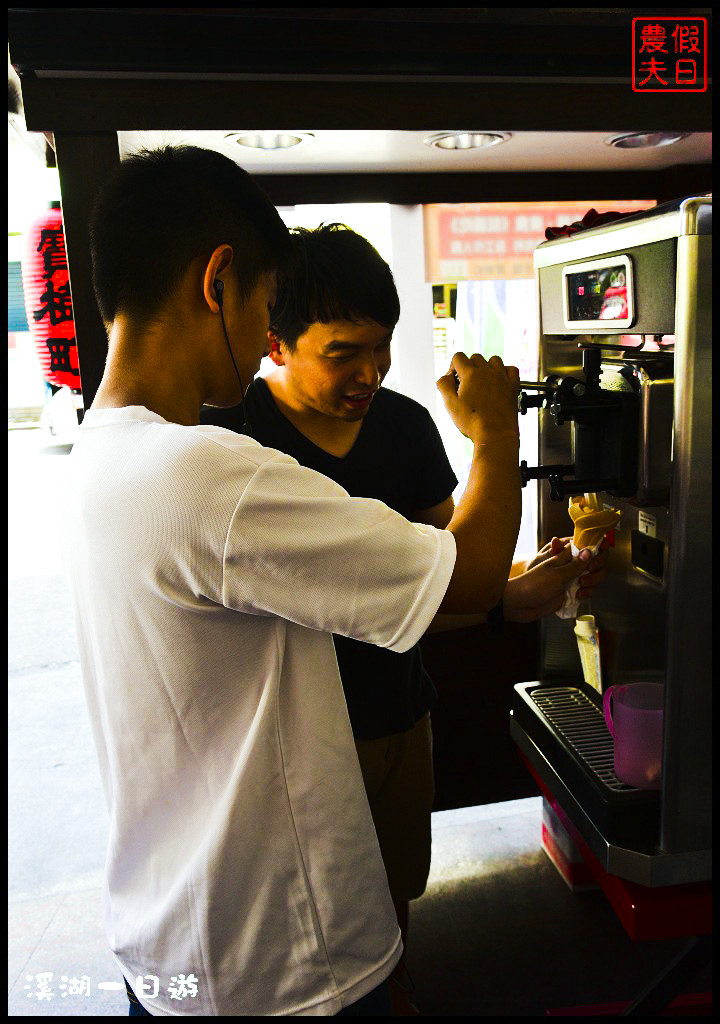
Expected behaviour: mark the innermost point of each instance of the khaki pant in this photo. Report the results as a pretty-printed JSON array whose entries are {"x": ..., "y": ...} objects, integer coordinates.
[{"x": 398, "y": 774}]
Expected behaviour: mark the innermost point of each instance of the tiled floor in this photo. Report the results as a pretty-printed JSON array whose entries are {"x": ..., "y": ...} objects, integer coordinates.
[
  {"x": 497, "y": 933},
  {"x": 53, "y": 940}
]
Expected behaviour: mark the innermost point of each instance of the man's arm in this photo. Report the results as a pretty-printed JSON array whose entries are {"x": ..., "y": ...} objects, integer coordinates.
[
  {"x": 439, "y": 516},
  {"x": 523, "y": 602},
  {"x": 481, "y": 398}
]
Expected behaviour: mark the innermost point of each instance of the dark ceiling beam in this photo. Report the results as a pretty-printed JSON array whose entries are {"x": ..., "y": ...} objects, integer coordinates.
[
  {"x": 505, "y": 42},
  {"x": 482, "y": 187},
  {"x": 92, "y": 105}
]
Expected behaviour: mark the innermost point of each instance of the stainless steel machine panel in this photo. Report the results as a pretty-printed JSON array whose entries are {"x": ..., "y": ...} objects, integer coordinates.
[
  {"x": 653, "y": 610},
  {"x": 651, "y": 264},
  {"x": 655, "y": 450}
]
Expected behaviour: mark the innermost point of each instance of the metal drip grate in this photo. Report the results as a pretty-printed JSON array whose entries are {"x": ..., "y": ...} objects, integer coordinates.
[{"x": 582, "y": 725}]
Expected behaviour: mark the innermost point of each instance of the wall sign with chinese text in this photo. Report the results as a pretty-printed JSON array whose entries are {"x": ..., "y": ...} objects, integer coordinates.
[
  {"x": 669, "y": 54},
  {"x": 495, "y": 241},
  {"x": 47, "y": 299}
]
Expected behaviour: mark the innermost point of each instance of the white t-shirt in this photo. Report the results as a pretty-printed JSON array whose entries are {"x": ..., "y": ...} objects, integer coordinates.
[{"x": 207, "y": 574}]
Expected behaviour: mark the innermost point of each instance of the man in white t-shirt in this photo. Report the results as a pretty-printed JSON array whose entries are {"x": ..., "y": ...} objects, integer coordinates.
[{"x": 243, "y": 876}]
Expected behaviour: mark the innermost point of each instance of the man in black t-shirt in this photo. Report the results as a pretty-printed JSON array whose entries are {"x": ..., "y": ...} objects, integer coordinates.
[{"x": 323, "y": 404}]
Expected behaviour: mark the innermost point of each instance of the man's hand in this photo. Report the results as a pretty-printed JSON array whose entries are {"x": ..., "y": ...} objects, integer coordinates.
[
  {"x": 554, "y": 547},
  {"x": 540, "y": 590},
  {"x": 595, "y": 573},
  {"x": 481, "y": 397}
]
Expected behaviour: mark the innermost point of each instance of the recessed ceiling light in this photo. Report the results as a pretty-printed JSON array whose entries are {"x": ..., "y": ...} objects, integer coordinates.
[
  {"x": 270, "y": 140},
  {"x": 645, "y": 140},
  {"x": 466, "y": 140}
]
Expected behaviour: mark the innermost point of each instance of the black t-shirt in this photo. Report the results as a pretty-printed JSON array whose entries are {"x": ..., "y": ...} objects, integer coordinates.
[{"x": 398, "y": 458}]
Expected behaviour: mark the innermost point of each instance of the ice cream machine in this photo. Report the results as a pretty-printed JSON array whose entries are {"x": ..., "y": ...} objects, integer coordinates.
[{"x": 624, "y": 413}]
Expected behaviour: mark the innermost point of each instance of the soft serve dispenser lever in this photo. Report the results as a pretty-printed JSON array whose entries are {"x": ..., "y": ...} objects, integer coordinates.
[{"x": 604, "y": 430}]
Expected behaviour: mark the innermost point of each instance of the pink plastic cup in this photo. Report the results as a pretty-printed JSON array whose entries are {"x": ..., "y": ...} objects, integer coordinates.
[{"x": 634, "y": 715}]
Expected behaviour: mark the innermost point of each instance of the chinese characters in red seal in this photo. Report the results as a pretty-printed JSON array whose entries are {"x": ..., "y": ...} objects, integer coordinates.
[{"x": 669, "y": 54}]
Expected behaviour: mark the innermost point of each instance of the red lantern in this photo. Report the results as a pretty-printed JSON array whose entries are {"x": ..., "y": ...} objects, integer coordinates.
[{"x": 47, "y": 300}]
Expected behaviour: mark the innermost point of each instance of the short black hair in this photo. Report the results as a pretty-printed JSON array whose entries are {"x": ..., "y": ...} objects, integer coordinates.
[
  {"x": 335, "y": 274},
  {"x": 163, "y": 208}
]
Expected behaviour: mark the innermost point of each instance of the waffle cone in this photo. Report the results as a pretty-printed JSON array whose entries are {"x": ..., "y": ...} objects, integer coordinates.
[{"x": 591, "y": 526}]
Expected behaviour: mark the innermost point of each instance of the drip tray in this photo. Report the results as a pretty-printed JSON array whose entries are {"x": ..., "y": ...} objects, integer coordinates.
[
  {"x": 567, "y": 725},
  {"x": 582, "y": 726}
]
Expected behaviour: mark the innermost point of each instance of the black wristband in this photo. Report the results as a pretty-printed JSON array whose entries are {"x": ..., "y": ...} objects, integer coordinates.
[{"x": 496, "y": 619}]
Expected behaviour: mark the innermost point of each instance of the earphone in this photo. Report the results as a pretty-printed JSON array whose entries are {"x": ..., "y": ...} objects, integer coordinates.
[{"x": 219, "y": 288}]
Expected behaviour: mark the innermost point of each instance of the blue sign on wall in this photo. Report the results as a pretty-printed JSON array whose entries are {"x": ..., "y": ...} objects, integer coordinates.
[{"x": 17, "y": 318}]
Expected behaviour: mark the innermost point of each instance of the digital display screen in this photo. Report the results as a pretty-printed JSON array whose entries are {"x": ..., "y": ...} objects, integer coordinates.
[{"x": 598, "y": 295}]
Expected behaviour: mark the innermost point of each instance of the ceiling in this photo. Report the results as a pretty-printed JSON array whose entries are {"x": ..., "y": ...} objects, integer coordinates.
[
  {"x": 362, "y": 151},
  {"x": 370, "y": 84}
]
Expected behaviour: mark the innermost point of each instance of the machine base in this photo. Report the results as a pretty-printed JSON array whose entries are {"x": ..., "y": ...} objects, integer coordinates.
[{"x": 619, "y": 825}]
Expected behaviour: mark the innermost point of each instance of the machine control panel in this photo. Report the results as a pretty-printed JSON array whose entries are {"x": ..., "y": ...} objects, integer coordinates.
[{"x": 599, "y": 293}]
